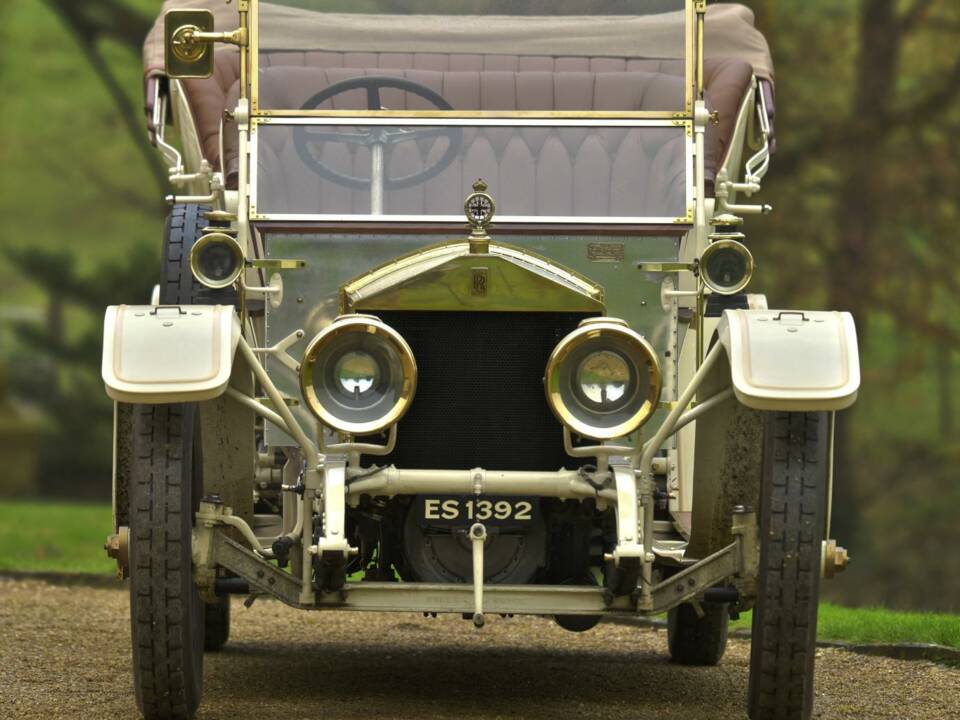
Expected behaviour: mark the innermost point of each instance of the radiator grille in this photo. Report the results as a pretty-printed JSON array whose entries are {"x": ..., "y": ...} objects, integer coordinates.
[{"x": 480, "y": 399}]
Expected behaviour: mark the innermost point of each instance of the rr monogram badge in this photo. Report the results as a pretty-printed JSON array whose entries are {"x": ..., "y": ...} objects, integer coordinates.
[{"x": 481, "y": 279}]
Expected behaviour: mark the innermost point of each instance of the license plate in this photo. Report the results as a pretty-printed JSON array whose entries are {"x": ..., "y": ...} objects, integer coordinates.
[{"x": 462, "y": 511}]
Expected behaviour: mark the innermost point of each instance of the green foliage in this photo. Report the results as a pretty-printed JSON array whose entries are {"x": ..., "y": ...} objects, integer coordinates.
[
  {"x": 70, "y": 175},
  {"x": 863, "y": 183},
  {"x": 80, "y": 211},
  {"x": 56, "y": 366},
  {"x": 50, "y": 537}
]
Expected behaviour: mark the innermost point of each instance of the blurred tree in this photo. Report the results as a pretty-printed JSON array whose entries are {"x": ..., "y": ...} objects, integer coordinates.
[
  {"x": 56, "y": 366},
  {"x": 864, "y": 183},
  {"x": 93, "y": 21}
]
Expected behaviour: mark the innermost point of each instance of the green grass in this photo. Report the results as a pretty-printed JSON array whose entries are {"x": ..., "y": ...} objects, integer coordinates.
[
  {"x": 879, "y": 625},
  {"x": 53, "y": 537}
]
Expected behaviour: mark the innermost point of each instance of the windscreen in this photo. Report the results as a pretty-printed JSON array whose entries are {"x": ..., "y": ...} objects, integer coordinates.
[
  {"x": 475, "y": 55},
  {"x": 537, "y": 171}
]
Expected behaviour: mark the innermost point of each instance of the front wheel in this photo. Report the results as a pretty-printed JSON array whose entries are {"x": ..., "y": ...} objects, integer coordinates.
[
  {"x": 695, "y": 640},
  {"x": 166, "y": 612},
  {"x": 792, "y": 517},
  {"x": 216, "y": 624}
]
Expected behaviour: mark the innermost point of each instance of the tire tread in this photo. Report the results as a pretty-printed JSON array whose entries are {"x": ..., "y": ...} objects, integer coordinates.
[
  {"x": 165, "y": 670},
  {"x": 793, "y": 503}
]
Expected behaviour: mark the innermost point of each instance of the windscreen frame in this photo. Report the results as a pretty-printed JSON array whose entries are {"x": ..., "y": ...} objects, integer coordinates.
[{"x": 686, "y": 126}]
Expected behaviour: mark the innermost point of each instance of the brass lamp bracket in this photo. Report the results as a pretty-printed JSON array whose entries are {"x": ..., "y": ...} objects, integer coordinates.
[
  {"x": 670, "y": 267},
  {"x": 189, "y": 41},
  {"x": 277, "y": 264}
]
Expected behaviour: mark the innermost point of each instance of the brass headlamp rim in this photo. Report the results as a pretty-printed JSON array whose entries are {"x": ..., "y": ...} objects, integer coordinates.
[
  {"x": 715, "y": 247},
  {"x": 238, "y": 253},
  {"x": 592, "y": 330},
  {"x": 367, "y": 324}
]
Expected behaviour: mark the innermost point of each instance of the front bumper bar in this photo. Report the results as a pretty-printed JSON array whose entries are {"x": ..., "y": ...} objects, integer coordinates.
[{"x": 213, "y": 548}]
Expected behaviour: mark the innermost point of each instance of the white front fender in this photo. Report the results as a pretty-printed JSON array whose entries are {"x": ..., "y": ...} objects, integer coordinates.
[
  {"x": 166, "y": 354},
  {"x": 792, "y": 360}
]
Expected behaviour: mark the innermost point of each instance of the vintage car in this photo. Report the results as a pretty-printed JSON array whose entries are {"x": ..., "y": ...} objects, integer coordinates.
[{"x": 453, "y": 318}]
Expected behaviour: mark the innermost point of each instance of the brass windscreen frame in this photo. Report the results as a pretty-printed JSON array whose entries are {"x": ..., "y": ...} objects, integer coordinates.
[
  {"x": 692, "y": 86},
  {"x": 456, "y": 119}
]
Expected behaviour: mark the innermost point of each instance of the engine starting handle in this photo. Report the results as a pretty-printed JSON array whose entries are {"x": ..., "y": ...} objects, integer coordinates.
[{"x": 478, "y": 536}]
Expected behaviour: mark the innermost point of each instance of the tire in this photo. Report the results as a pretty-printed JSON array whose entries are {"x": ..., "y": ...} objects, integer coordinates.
[
  {"x": 216, "y": 624},
  {"x": 792, "y": 517},
  {"x": 185, "y": 225},
  {"x": 695, "y": 640},
  {"x": 166, "y": 612}
]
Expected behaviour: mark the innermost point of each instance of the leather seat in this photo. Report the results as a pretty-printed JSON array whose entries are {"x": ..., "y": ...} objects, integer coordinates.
[{"x": 490, "y": 82}]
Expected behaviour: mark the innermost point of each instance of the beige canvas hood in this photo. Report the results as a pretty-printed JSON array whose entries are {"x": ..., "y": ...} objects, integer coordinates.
[{"x": 730, "y": 33}]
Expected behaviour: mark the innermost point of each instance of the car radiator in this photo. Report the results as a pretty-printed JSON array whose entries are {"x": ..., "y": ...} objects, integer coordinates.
[{"x": 480, "y": 399}]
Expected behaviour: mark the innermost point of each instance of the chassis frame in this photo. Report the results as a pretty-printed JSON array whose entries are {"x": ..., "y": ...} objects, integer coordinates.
[{"x": 629, "y": 484}]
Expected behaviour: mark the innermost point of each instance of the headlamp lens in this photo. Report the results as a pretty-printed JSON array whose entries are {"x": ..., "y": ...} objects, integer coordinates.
[
  {"x": 603, "y": 379},
  {"x": 217, "y": 262},
  {"x": 727, "y": 267},
  {"x": 356, "y": 373}
]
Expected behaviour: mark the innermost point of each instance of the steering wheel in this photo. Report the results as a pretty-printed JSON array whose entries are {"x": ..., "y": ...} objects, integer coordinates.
[{"x": 377, "y": 138}]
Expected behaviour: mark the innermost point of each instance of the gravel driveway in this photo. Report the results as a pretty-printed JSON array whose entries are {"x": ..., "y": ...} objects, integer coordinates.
[{"x": 64, "y": 653}]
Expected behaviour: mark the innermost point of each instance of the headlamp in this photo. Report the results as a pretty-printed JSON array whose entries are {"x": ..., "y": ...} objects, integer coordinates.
[
  {"x": 603, "y": 380},
  {"x": 726, "y": 266},
  {"x": 216, "y": 260},
  {"x": 358, "y": 376}
]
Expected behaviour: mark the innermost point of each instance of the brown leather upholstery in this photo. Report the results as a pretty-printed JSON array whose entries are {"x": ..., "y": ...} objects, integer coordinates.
[{"x": 486, "y": 82}]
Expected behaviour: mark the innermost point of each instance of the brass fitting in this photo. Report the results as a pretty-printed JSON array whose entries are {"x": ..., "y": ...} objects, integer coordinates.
[
  {"x": 835, "y": 559},
  {"x": 118, "y": 548}
]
